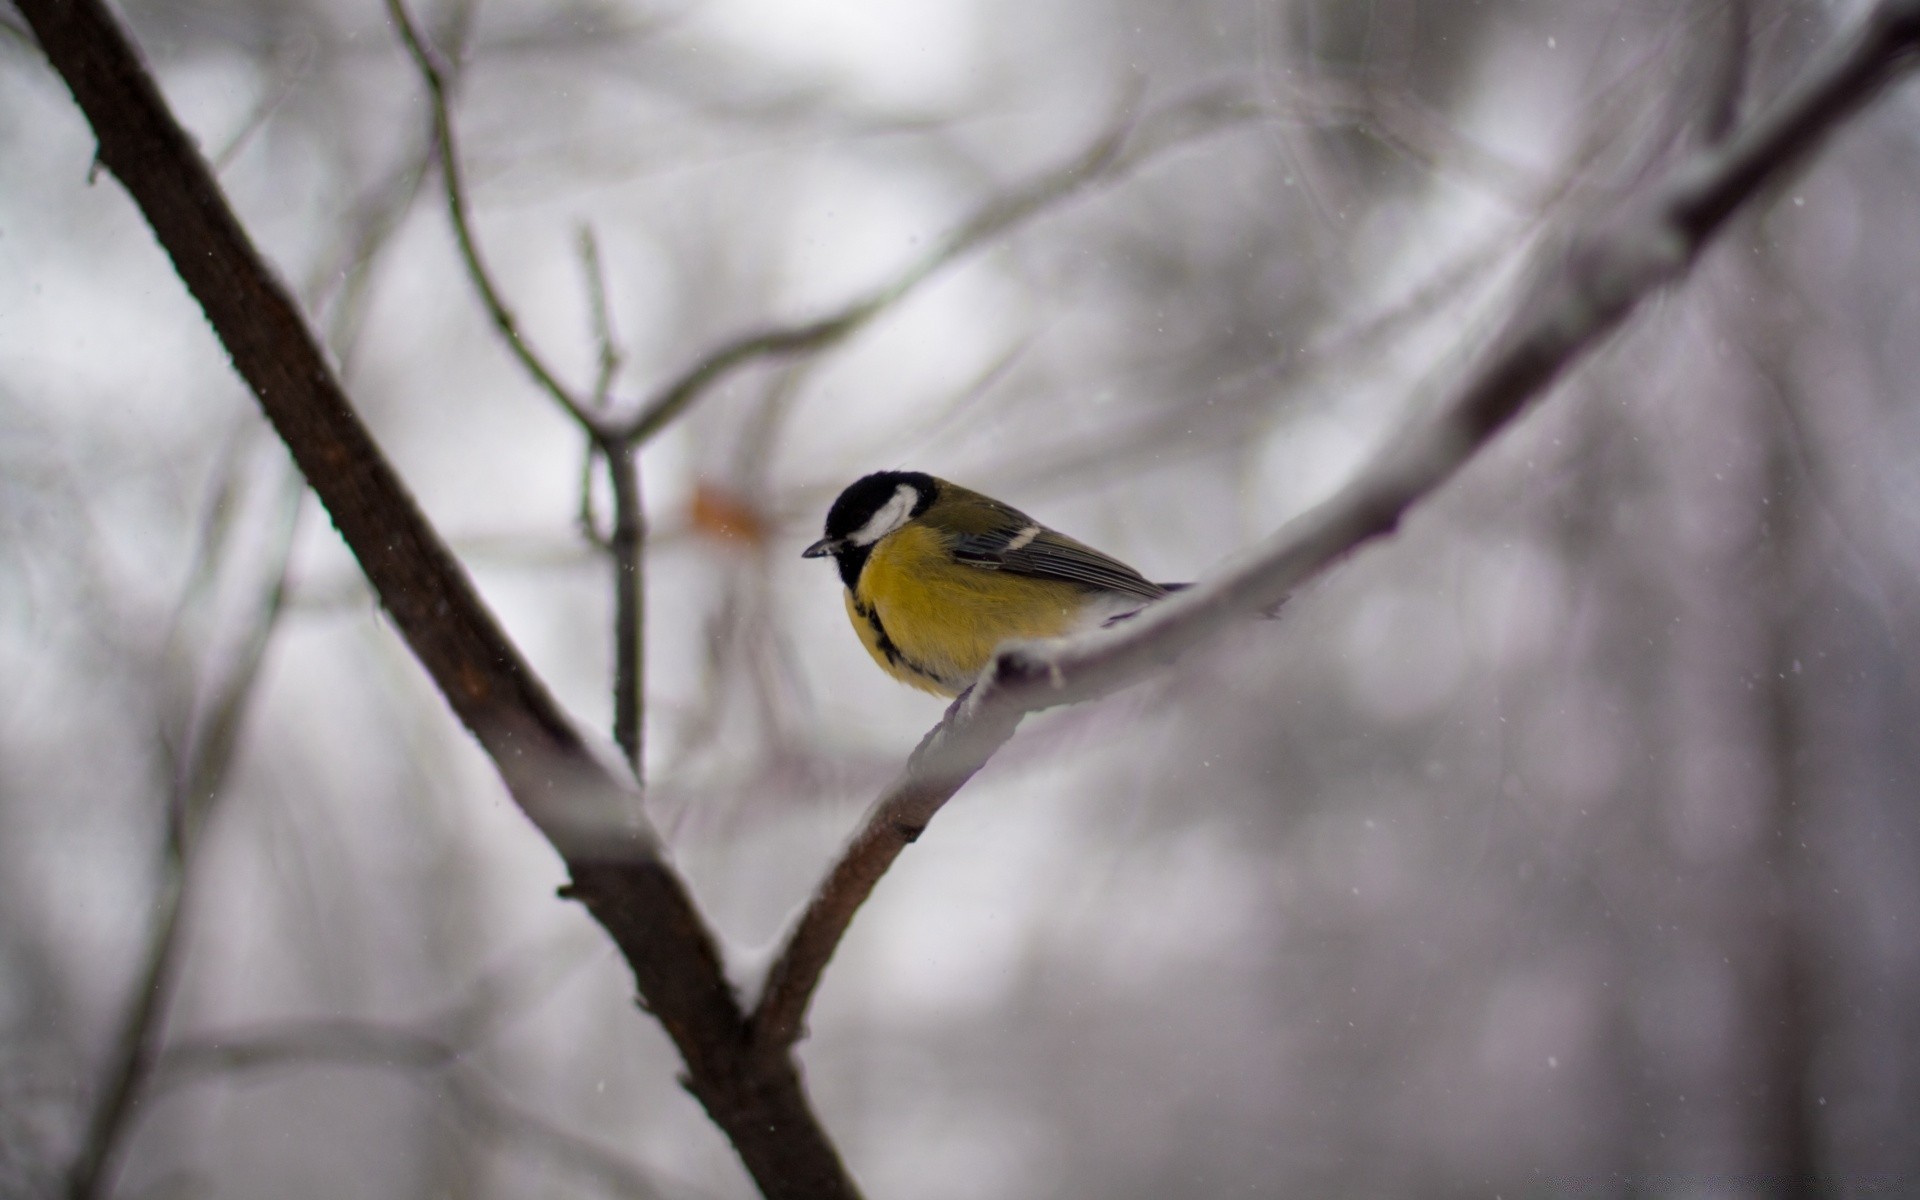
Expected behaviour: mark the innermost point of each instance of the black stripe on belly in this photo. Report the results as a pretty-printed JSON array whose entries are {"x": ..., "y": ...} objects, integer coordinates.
[{"x": 887, "y": 647}]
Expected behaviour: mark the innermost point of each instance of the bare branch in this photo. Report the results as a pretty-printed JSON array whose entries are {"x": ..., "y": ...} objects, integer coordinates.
[
  {"x": 1119, "y": 149},
  {"x": 627, "y": 541},
  {"x": 419, "y": 581},
  {"x": 1578, "y": 294}
]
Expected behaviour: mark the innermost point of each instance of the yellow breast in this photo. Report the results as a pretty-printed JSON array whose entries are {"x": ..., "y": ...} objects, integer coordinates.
[{"x": 934, "y": 623}]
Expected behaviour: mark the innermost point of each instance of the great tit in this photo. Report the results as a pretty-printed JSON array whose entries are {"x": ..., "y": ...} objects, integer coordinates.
[{"x": 938, "y": 577}]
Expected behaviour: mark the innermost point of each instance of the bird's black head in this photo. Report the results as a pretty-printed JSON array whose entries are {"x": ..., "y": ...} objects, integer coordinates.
[{"x": 869, "y": 509}]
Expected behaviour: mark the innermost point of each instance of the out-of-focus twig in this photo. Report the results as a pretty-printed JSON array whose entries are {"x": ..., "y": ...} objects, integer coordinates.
[
  {"x": 1728, "y": 85},
  {"x": 1119, "y": 149},
  {"x": 263, "y": 109},
  {"x": 194, "y": 790},
  {"x": 1577, "y": 293},
  {"x": 92, "y": 1171},
  {"x": 1122, "y": 147},
  {"x": 347, "y": 1043},
  {"x": 602, "y": 315}
]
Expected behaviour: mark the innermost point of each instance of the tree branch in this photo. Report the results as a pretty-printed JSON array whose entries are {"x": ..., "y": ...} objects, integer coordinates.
[
  {"x": 1577, "y": 294},
  {"x": 1125, "y": 145},
  {"x": 588, "y": 813}
]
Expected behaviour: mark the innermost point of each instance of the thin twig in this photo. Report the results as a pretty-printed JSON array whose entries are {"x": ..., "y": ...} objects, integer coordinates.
[
  {"x": 1577, "y": 295},
  {"x": 341, "y": 283},
  {"x": 1123, "y": 146},
  {"x": 195, "y": 789},
  {"x": 264, "y": 108},
  {"x": 1728, "y": 86},
  {"x": 583, "y": 519},
  {"x": 503, "y": 318},
  {"x": 602, "y": 315},
  {"x": 136, "y": 1047},
  {"x": 628, "y": 543},
  {"x": 1119, "y": 149},
  {"x": 349, "y": 1043}
]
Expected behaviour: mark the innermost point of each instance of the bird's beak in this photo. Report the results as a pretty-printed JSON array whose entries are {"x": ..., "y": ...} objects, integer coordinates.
[{"x": 821, "y": 548}]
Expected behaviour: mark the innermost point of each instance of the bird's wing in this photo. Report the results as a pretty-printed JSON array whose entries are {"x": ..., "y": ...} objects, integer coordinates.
[{"x": 1016, "y": 543}]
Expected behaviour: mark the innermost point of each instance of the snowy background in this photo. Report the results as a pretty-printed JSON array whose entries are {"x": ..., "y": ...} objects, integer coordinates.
[{"x": 1565, "y": 844}]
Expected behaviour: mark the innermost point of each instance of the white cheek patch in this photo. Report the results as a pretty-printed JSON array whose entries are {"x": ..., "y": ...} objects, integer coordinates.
[{"x": 892, "y": 515}]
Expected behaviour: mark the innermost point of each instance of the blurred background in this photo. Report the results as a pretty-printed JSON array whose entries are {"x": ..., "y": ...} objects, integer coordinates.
[{"x": 1564, "y": 845}]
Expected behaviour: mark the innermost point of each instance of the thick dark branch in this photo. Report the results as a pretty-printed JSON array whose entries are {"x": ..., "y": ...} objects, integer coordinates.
[
  {"x": 1118, "y": 150},
  {"x": 585, "y": 810},
  {"x": 1577, "y": 295}
]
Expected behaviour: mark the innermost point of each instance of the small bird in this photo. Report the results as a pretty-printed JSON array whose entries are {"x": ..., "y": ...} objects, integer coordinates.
[{"x": 938, "y": 577}]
